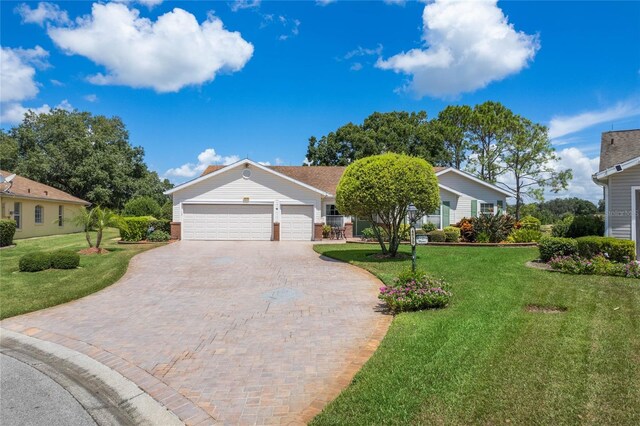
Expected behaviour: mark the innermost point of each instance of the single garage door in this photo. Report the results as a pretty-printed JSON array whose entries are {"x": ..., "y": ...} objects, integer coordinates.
[
  {"x": 297, "y": 223},
  {"x": 227, "y": 222}
]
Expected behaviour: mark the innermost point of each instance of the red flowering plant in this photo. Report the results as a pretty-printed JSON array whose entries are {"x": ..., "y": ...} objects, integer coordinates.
[{"x": 415, "y": 291}]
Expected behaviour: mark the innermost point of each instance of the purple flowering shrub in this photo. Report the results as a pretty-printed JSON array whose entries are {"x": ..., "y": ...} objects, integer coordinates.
[
  {"x": 415, "y": 292},
  {"x": 599, "y": 264}
]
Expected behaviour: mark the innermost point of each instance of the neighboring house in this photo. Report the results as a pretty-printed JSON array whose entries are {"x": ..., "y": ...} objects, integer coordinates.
[
  {"x": 38, "y": 209},
  {"x": 619, "y": 175},
  {"x": 249, "y": 201}
]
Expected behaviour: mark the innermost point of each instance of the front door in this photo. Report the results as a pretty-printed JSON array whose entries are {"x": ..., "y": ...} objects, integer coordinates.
[{"x": 446, "y": 213}]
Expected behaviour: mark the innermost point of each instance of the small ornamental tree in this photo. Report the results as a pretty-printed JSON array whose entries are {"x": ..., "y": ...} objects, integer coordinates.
[{"x": 380, "y": 188}]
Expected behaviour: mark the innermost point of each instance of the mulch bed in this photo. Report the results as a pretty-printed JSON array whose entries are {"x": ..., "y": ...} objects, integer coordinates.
[
  {"x": 93, "y": 250},
  {"x": 359, "y": 241}
]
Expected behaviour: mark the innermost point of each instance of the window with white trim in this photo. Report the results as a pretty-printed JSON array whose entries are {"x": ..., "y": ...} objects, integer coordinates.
[
  {"x": 39, "y": 215},
  {"x": 486, "y": 208},
  {"x": 331, "y": 210},
  {"x": 17, "y": 214},
  {"x": 60, "y": 215}
]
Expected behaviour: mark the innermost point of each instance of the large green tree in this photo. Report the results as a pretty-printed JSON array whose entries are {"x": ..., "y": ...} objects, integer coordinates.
[
  {"x": 399, "y": 132},
  {"x": 453, "y": 125},
  {"x": 85, "y": 155},
  {"x": 529, "y": 158},
  {"x": 380, "y": 189},
  {"x": 489, "y": 127}
]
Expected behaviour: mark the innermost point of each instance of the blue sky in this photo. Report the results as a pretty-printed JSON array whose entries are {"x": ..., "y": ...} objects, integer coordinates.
[{"x": 199, "y": 82}]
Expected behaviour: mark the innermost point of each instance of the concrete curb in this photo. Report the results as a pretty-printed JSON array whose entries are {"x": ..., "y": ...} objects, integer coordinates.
[{"x": 108, "y": 397}]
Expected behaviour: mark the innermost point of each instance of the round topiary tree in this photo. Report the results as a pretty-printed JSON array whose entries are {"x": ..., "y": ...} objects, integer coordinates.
[{"x": 380, "y": 188}]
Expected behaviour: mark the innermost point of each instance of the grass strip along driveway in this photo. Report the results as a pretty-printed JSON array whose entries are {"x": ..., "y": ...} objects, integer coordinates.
[
  {"x": 486, "y": 360},
  {"x": 22, "y": 292}
]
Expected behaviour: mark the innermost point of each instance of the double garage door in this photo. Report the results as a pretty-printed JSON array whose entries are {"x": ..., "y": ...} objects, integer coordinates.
[{"x": 245, "y": 222}]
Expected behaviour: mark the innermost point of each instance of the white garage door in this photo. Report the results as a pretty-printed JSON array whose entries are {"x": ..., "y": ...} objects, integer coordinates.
[
  {"x": 297, "y": 223},
  {"x": 227, "y": 222}
]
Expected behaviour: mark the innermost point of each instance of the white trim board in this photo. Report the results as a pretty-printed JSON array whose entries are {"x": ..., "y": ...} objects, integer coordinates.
[
  {"x": 475, "y": 179},
  {"x": 613, "y": 170},
  {"x": 237, "y": 164}
]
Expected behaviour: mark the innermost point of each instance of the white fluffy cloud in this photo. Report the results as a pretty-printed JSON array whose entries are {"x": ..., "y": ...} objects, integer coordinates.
[
  {"x": 206, "y": 158},
  {"x": 13, "y": 112},
  {"x": 324, "y": 2},
  {"x": 173, "y": 52},
  {"x": 467, "y": 46},
  {"x": 17, "y": 72},
  {"x": 149, "y": 3},
  {"x": 565, "y": 125},
  {"x": 237, "y": 5},
  {"x": 583, "y": 167},
  {"x": 44, "y": 12}
]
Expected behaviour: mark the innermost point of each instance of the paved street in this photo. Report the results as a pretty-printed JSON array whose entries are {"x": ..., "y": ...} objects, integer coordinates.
[
  {"x": 29, "y": 397},
  {"x": 227, "y": 332}
]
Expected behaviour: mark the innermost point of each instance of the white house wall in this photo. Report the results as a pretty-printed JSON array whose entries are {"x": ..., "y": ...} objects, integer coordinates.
[
  {"x": 619, "y": 193},
  {"x": 262, "y": 187},
  {"x": 473, "y": 191}
]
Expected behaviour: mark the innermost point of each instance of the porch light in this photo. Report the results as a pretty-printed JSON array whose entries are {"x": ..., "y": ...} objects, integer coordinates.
[{"x": 413, "y": 213}]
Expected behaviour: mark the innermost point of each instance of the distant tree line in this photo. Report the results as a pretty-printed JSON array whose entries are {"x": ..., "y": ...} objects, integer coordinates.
[
  {"x": 487, "y": 140},
  {"x": 87, "y": 156},
  {"x": 553, "y": 211}
]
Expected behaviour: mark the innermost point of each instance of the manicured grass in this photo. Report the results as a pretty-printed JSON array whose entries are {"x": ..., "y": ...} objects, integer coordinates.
[
  {"x": 485, "y": 360},
  {"x": 22, "y": 292}
]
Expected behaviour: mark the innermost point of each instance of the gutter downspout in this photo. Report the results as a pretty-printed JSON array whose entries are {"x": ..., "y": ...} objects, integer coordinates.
[{"x": 605, "y": 191}]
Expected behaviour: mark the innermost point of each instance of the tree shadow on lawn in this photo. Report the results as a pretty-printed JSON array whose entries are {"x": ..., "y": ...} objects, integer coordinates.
[{"x": 362, "y": 256}]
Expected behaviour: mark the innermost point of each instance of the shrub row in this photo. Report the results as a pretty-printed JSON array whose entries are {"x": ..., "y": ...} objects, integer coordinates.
[
  {"x": 39, "y": 261},
  {"x": 7, "y": 231},
  {"x": 134, "y": 228},
  {"x": 587, "y": 247},
  {"x": 579, "y": 226}
]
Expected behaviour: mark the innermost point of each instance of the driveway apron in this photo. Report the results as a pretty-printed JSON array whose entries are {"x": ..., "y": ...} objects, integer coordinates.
[{"x": 227, "y": 332}]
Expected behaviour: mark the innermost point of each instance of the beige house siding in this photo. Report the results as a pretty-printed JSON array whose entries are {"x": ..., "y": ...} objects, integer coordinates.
[
  {"x": 262, "y": 187},
  {"x": 49, "y": 225},
  {"x": 619, "y": 203}
]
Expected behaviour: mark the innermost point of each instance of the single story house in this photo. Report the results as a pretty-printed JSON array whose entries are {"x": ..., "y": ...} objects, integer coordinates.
[
  {"x": 249, "y": 201},
  {"x": 38, "y": 209},
  {"x": 619, "y": 175}
]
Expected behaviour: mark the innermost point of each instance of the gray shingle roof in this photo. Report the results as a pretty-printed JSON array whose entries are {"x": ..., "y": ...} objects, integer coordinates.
[{"x": 619, "y": 146}]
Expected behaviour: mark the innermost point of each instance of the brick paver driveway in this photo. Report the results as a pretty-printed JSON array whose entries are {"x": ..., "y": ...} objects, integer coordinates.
[{"x": 229, "y": 332}]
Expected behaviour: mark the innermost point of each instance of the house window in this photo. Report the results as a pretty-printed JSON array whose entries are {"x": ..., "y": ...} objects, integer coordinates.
[
  {"x": 60, "y": 215},
  {"x": 486, "y": 208},
  {"x": 331, "y": 210},
  {"x": 17, "y": 215},
  {"x": 39, "y": 215}
]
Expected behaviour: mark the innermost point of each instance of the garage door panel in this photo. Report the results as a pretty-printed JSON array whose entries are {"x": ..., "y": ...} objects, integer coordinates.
[
  {"x": 227, "y": 222},
  {"x": 296, "y": 223}
]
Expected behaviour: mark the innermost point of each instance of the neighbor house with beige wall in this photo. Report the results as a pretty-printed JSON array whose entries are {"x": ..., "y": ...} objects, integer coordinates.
[{"x": 38, "y": 209}]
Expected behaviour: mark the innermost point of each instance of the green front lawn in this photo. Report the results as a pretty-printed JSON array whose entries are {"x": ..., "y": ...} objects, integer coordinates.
[
  {"x": 22, "y": 292},
  {"x": 485, "y": 360}
]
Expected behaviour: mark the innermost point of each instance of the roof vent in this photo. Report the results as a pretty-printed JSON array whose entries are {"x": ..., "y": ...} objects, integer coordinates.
[
  {"x": 46, "y": 192},
  {"x": 29, "y": 190},
  {"x": 611, "y": 141}
]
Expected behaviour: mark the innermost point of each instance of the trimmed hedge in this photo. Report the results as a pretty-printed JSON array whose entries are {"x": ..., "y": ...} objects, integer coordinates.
[
  {"x": 582, "y": 226},
  {"x": 64, "y": 259},
  {"x": 34, "y": 262},
  {"x": 7, "y": 231},
  {"x": 437, "y": 236},
  {"x": 617, "y": 250},
  {"x": 159, "y": 236},
  {"x": 134, "y": 228},
  {"x": 161, "y": 225},
  {"x": 554, "y": 246}
]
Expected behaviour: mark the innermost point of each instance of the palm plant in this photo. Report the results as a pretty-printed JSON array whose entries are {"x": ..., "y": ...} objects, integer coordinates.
[
  {"x": 85, "y": 219},
  {"x": 104, "y": 218}
]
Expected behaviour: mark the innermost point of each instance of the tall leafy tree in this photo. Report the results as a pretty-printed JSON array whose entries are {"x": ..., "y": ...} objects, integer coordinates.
[
  {"x": 398, "y": 132},
  {"x": 489, "y": 128},
  {"x": 85, "y": 155},
  {"x": 381, "y": 187},
  {"x": 453, "y": 125},
  {"x": 528, "y": 156}
]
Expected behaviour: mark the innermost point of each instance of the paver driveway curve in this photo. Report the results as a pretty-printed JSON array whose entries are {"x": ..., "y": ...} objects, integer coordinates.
[{"x": 228, "y": 332}]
